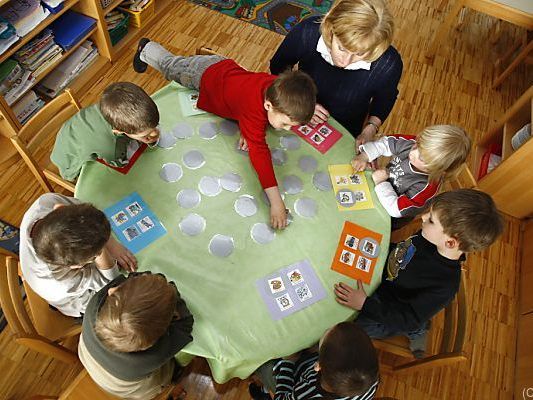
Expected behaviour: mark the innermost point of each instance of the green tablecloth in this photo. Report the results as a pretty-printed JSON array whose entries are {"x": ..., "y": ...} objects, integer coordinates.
[{"x": 233, "y": 329}]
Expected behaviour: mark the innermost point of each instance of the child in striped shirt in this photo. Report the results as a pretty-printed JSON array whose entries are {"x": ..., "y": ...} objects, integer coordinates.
[{"x": 345, "y": 367}]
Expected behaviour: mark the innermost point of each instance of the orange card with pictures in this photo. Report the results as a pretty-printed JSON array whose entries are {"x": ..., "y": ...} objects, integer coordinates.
[{"x": 357, "y": 253}]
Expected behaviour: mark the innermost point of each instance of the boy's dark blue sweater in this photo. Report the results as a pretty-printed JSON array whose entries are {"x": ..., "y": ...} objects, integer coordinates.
[{"x": 349, "y": 95}]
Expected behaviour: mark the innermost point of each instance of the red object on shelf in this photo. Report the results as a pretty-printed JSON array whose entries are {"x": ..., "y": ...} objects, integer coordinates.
[
  {"x": 126, "y": 168},
  {"x": 484, "y": 164}
]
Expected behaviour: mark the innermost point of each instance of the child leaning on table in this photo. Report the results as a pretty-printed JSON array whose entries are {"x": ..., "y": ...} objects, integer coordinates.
[
  {"x": 253, "y": 99},
  {"x": 423, "y": 273},
  {"x": 417, "y": 167},
  {"x": 110, "y": 130},
  {"x": 131, "y": 331},
  {"x": 67, "y": 253},
  {"x": 345, "y": 367}
]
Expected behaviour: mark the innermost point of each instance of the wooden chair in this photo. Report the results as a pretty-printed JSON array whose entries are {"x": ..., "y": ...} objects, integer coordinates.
[
  {"x": 464, "y": 180},
  {"x": 84, "y": 388},
  {"x": 522, "y": 52},
  {"x": 49, "y": 328},
  {"x": 37, "y": 130},
  {"x": 450, "y": 349}
]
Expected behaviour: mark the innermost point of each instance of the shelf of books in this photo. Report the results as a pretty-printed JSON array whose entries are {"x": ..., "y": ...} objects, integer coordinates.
[{"x": 503, "y": 159}]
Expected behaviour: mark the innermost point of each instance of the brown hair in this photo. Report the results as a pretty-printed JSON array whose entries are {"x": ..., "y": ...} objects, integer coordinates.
[
  {"x": 363, "y": 27},
  {"x": 137, "y": 314},
  {"x": 348, "y": 360},
  {"x": 293, "y": 93},
  {"x": 470, "y": 216},
  {"x": 444, "y": 149},
  {"x": 128, "y": 108},
  {"x": 70, "y": 235}
]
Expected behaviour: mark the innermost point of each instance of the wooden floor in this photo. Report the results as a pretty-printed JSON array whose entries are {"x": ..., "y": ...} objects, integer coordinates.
[{"x": 454, "y": 88}]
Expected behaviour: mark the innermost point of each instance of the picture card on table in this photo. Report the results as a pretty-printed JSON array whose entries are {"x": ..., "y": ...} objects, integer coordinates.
[
  {"x": 322, "y": 136},
  {"x": 351, "y": 188},
  {"x": 357, "y": 253},
  {"x": 188, "y": 100},
  {"x": 134, "y": 223},
  {"x": 290, "y": 289}
]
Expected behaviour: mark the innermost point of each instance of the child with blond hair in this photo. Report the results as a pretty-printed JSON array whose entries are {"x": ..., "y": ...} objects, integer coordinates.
[
  {"x": 253, "y": 99},
  {"x": 417, "y": 168},
  {"x": 131, "y": 331}
]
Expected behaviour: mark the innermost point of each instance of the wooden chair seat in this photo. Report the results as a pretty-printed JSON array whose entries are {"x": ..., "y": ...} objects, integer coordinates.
[
  {"x": 398, "y": 345},
  {"x": 49, "y": 321},
  {"x": 33, "y": 140}
]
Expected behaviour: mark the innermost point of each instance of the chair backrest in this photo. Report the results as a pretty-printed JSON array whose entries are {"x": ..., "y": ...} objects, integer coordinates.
[
  {"x": 20, "y": 322},
  {"x": 450, "y": 349},
  {"x": 464, "y": 179},
  {"x": 39, "y": 129}
]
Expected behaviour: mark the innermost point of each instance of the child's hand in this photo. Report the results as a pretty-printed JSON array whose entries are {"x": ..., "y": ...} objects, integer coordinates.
[
  {"x": 350, "y": 297},
  {"x": 380, "y": 175},
  {"x": 320, "y": 115},
  {"x": 126, "y": 260},
  {"x": 243, "y": 144},
  {"x": 278, "y": 216},
  {"x": 359, "y": 162}
]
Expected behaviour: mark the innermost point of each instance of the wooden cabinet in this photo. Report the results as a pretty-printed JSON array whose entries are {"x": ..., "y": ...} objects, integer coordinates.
[
  {"x": 524, "y": 348},
  {"x": 511, "y": 182},
  {"x": 107, "y": 54}
]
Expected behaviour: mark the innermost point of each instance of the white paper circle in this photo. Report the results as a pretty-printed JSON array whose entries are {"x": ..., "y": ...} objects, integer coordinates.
[
  {"x": 171, "y": 172},
  {"x": 279, "y": 156},
  {"x": 182, "y": 130},
  {"x": 290, "y": 142},
  {"x": 192, "y": 224},
  {"x": 262, "y": 233},
  {"x": 221, "y": 245},
  {"x": 209, "y": 186},
  {"x": 228, "y": 128},
  {"x": 305, "y": 207},
  {"x": 308, "y": 164},
  {"x": 322, "y": 182},
  {"x": 292, "y": 184},
  {"x": 193, "y": 159},
  {"x": 188, "y": 198},
  {"x": 166, "y": 140},
  {"x": 231, "y": 182},
  {"x": 208, "y": 130},
  {"x": 245, "y": 206}
]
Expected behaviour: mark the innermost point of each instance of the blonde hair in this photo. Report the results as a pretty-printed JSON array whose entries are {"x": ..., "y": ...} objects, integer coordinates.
[
  {"x": 137, "y": 314},
  {"x": 361, "y": 26},
  {"x": 444, "y": 149},
  {"x": 469, "y": 216}
]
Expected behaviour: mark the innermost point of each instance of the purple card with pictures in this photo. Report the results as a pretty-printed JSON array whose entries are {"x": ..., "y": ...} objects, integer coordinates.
[{"x": 290, "y": 289}]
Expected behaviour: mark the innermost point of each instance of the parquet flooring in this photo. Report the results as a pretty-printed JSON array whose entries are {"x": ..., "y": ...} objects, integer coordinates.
[{"x": 455, "y": 88}]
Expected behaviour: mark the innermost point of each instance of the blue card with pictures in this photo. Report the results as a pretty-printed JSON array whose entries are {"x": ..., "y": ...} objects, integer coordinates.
[{"x": 134, "y": 223}]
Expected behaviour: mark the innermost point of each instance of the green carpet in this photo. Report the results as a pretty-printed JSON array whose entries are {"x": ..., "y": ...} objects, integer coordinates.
[{"x": 277, "y": 15}]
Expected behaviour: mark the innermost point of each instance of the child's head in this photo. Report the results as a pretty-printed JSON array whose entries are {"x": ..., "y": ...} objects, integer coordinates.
[
  {"x": 71, "y": 236},
  {"x": 440, "y": 150},
  {"x": 465, "y": 219},
  {"x": 347, "y": 360},
  {"x": 136, "y": 313},
  {"x": 129, "y": 110},
  {"x": 355, "y": 30},
  {"x": 290, "y": 100}
]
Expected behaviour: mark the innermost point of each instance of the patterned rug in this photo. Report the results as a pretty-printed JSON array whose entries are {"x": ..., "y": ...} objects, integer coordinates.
[{"x": 277, "y": 15}]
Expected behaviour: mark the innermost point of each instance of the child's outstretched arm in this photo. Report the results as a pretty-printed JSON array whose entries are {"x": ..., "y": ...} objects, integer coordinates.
[
  {"x": 369, "y": 151},
  {"x": 409, "y": 203},
  {"x": 278, "y": 215}
]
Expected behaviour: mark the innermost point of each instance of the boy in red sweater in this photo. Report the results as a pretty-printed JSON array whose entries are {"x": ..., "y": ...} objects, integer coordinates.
[{"x": 253, "y": 99}]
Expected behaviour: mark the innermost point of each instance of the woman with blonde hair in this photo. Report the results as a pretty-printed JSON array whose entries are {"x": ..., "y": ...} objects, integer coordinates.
[{"x": 348, "y": 54}]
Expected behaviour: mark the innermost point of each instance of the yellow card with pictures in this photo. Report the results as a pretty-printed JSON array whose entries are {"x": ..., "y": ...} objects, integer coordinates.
[{"x": 351, "y": 188}]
